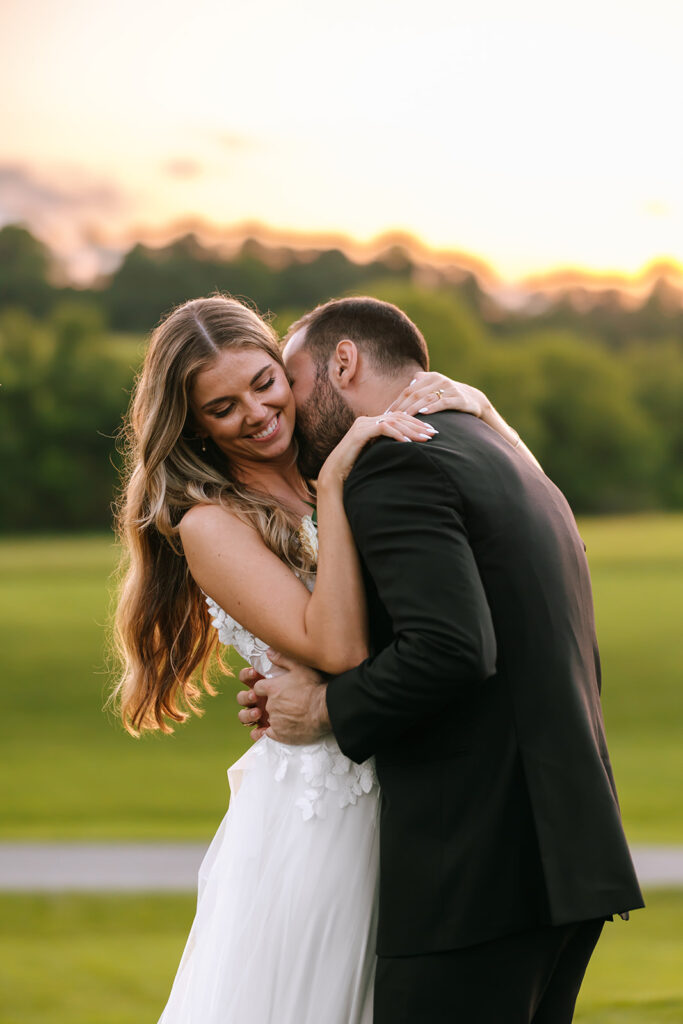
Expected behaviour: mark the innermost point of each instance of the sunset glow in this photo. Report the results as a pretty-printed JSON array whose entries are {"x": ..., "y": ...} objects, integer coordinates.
[{"x": 532, "y": 136}]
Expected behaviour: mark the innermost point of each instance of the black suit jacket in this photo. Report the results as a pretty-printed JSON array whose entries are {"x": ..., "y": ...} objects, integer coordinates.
[{"x": 480, "y": 699}]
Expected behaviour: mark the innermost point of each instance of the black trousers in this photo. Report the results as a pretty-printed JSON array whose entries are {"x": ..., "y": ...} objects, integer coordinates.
[{"x": 530, "y": 977}]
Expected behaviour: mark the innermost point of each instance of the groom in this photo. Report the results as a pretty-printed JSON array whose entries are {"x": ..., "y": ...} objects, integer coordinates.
[{"x": 502, "y": 850}]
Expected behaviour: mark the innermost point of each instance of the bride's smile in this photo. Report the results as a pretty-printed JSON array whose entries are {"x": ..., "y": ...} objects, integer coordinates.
[{"x": 268, "y": 432}]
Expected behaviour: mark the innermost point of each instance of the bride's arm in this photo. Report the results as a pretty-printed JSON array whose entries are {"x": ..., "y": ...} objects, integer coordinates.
[
  {"x": 434, "y": 392},
  {"x": 230, "y": 561}
]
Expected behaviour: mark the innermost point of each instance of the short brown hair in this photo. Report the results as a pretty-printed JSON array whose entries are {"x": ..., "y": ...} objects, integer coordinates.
[{"x": 381, "y": 330}]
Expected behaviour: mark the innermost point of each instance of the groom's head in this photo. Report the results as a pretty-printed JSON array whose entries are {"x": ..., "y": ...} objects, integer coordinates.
[{"x": 348, "y": 358}]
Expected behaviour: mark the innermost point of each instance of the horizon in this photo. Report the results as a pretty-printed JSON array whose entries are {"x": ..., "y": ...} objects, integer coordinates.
[{"x": 455, "y": 266}]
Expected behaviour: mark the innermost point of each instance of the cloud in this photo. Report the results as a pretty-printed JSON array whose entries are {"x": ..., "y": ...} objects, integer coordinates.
[
  {"x": 23, "y": 194},
  {"x": 236, "y": 142},
  {"x": 184, "y": 168},
  {"x": 65, "y": 211}
]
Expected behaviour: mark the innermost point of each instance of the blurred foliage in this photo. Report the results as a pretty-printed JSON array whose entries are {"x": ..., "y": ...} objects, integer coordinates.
[
  {"x": 596, "y": 442},
  {"x": 25, "y": 264},
  {"x": 595, "y": 387},
  {"x": 657, "y": 373},
  {"x": 61, "y": 402},
  {"x": 150, "y": 282}
]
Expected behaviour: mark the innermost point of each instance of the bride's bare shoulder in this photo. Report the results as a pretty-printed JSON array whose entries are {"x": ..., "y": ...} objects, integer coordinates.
[{"x": 203, "y": 521}]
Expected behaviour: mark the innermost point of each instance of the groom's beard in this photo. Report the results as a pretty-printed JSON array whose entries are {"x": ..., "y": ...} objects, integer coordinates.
[{"x": 321, "y": 422}]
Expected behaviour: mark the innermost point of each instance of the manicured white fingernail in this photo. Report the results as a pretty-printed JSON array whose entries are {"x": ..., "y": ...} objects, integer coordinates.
[
  {"x": 412, "y": 382},
  {"x": 407, "y": 438},
  {"x": 426, "y": 437},
  {"x": 426, "y": 409}
]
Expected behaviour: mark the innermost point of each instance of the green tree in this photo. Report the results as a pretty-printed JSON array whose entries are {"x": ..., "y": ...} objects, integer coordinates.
[
  {"x": 509, "y": 376},
  {"x": 598, "y": 445},
  {"x": 456, "y": 337},
  {"x": 657, "y": 371},
  {"x": 25, "y": 266},
  {"x": 60, "y": 405}
]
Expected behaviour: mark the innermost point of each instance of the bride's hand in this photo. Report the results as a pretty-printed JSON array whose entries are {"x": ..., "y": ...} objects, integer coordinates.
[
  {"x": 253, "y": 711},
  {"x": 396, "y": 424},
  {"x": 433, "y": 392}
]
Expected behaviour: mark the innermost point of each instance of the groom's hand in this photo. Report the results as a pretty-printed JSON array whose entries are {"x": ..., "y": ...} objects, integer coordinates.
[{"x": 295, "y": 702}]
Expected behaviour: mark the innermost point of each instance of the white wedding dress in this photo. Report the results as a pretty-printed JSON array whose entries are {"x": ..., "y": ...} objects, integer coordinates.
[{"x": 285, "y": 926}]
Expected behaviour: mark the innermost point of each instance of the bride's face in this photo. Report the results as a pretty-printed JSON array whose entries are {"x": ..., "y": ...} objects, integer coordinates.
[{"x": 244, "y": 403}]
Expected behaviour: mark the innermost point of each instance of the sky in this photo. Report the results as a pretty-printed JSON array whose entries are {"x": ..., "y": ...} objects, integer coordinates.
[{"x": 533, "y": 136}]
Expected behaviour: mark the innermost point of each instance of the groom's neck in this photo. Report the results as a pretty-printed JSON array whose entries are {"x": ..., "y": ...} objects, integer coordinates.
[{"x": 378, "y": 392}]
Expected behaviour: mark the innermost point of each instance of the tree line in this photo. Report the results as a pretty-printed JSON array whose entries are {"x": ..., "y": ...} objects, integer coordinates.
[{"x": 595, "y": 389}]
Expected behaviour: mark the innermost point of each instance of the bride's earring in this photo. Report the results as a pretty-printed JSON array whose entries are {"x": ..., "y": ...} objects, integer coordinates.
[{"x": 203, "y": 444}]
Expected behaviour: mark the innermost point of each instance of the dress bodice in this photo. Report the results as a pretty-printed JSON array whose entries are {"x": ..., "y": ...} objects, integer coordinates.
[{"x": 325, "y": 772}]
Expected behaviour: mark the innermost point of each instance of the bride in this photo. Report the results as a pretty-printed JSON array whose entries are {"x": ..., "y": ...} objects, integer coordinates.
[{"x": 221, "y": 547}]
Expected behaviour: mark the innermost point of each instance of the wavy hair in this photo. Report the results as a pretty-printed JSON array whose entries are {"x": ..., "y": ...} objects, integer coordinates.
[{"x": 162, "y": 630}]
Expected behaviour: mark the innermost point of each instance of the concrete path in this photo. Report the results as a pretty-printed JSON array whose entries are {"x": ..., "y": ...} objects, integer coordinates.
[{"x": 101, "y": 867}]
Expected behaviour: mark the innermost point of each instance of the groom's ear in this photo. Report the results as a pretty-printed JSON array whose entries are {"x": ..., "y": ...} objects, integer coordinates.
[{"x": 344, "y": 363}]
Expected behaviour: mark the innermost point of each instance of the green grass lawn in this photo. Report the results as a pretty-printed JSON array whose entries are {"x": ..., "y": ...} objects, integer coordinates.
[
  {"x": 111, "y": 960},
  {"x": 72, "y": 959},
  {"x": 75, "y": 774},
  {"x": 74, "y": 771},
  {"x": 637, "y": 570}
]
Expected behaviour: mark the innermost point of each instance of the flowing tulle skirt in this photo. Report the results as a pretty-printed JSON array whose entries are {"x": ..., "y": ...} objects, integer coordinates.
[{"x": 285, "y": 926}]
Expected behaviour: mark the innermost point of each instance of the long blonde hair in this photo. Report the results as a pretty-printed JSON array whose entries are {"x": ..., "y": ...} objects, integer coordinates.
[{"x": 163, "y": 633}]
